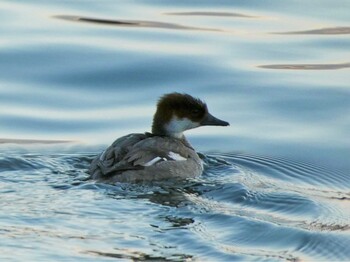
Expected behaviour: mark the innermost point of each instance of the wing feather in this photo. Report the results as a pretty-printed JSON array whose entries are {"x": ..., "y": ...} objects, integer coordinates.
[{"x": 134, "y": 152}]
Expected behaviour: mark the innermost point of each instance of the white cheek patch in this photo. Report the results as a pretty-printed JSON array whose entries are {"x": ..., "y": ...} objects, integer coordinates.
[
  {"x": 176, "y": 157},
  {"x": 176, "y": 126}
]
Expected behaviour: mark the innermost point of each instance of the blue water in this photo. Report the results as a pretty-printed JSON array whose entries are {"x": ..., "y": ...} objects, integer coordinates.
[{"x": 75, "y": 75}]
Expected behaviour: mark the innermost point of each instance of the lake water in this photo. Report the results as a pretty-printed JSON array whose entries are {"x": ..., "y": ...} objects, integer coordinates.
[{"x": 75, "y": 75}]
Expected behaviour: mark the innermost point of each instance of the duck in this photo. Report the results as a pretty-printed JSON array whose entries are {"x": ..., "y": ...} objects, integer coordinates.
[{"x": 162, "y": 154}]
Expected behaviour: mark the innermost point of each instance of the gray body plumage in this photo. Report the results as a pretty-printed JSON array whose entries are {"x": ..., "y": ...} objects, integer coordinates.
[
  {"x": 146, "y": 157},
  {"x": 162, "y": 154}
]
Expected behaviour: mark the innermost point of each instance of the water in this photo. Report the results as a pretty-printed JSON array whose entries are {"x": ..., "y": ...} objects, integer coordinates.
[{"x": 76, "y": 75}]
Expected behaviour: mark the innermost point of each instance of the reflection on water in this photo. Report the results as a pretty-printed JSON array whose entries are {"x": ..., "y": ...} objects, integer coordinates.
[
  {"x": 134, "y": 23},
  {"x": 219, "y": 14},
  {"x": 31, "y": 141},
  {"x": 308, "y": 66},
  {"x": 97, "y": 75},
  {"x": 134, "y": 255},
  {"x": 323, "y": 31},
  {"x": 243, "y": 207}
]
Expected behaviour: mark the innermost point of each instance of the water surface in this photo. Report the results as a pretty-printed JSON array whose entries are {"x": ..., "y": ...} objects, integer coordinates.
[{"x": 76, "y": 75}]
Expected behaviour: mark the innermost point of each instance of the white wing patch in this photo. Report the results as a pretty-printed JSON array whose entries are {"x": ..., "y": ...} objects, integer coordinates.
[
  {"x": 176, "y": 157},
  {"x": 153, "y": 161},
  {"x": 171, "y": 155}
]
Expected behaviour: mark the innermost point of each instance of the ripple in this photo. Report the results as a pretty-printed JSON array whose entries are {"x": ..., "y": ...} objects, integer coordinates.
[
  {"x": 32, "y": 141},
  {"x": 16, "y": 163},
  {"x": 290, "y": 171},
  {"x": 135, "y": 23},
  {"x": 36, "y": 167},
  {"x": 337, "y": 247},
  {"x": 138, "y": 256},
  {"x": 278, "y": 191},
  {"x": 307, "y": 66},
  {"x": 255, "y": 229},
  {"x": 81, "y": 75},
  {"x": 218, "y": 14},
  {"x": 262, "y": 254},
  {"x": 243, "y": 207},
  {"x": 322, "y": 31}
]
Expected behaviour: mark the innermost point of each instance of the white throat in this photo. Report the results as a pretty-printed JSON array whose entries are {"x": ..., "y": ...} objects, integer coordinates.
[{"x": 177, "y": 126}]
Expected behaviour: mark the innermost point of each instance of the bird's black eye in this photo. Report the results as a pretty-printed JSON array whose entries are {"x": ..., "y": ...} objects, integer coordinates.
[{"x": 195, "y": 112}]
